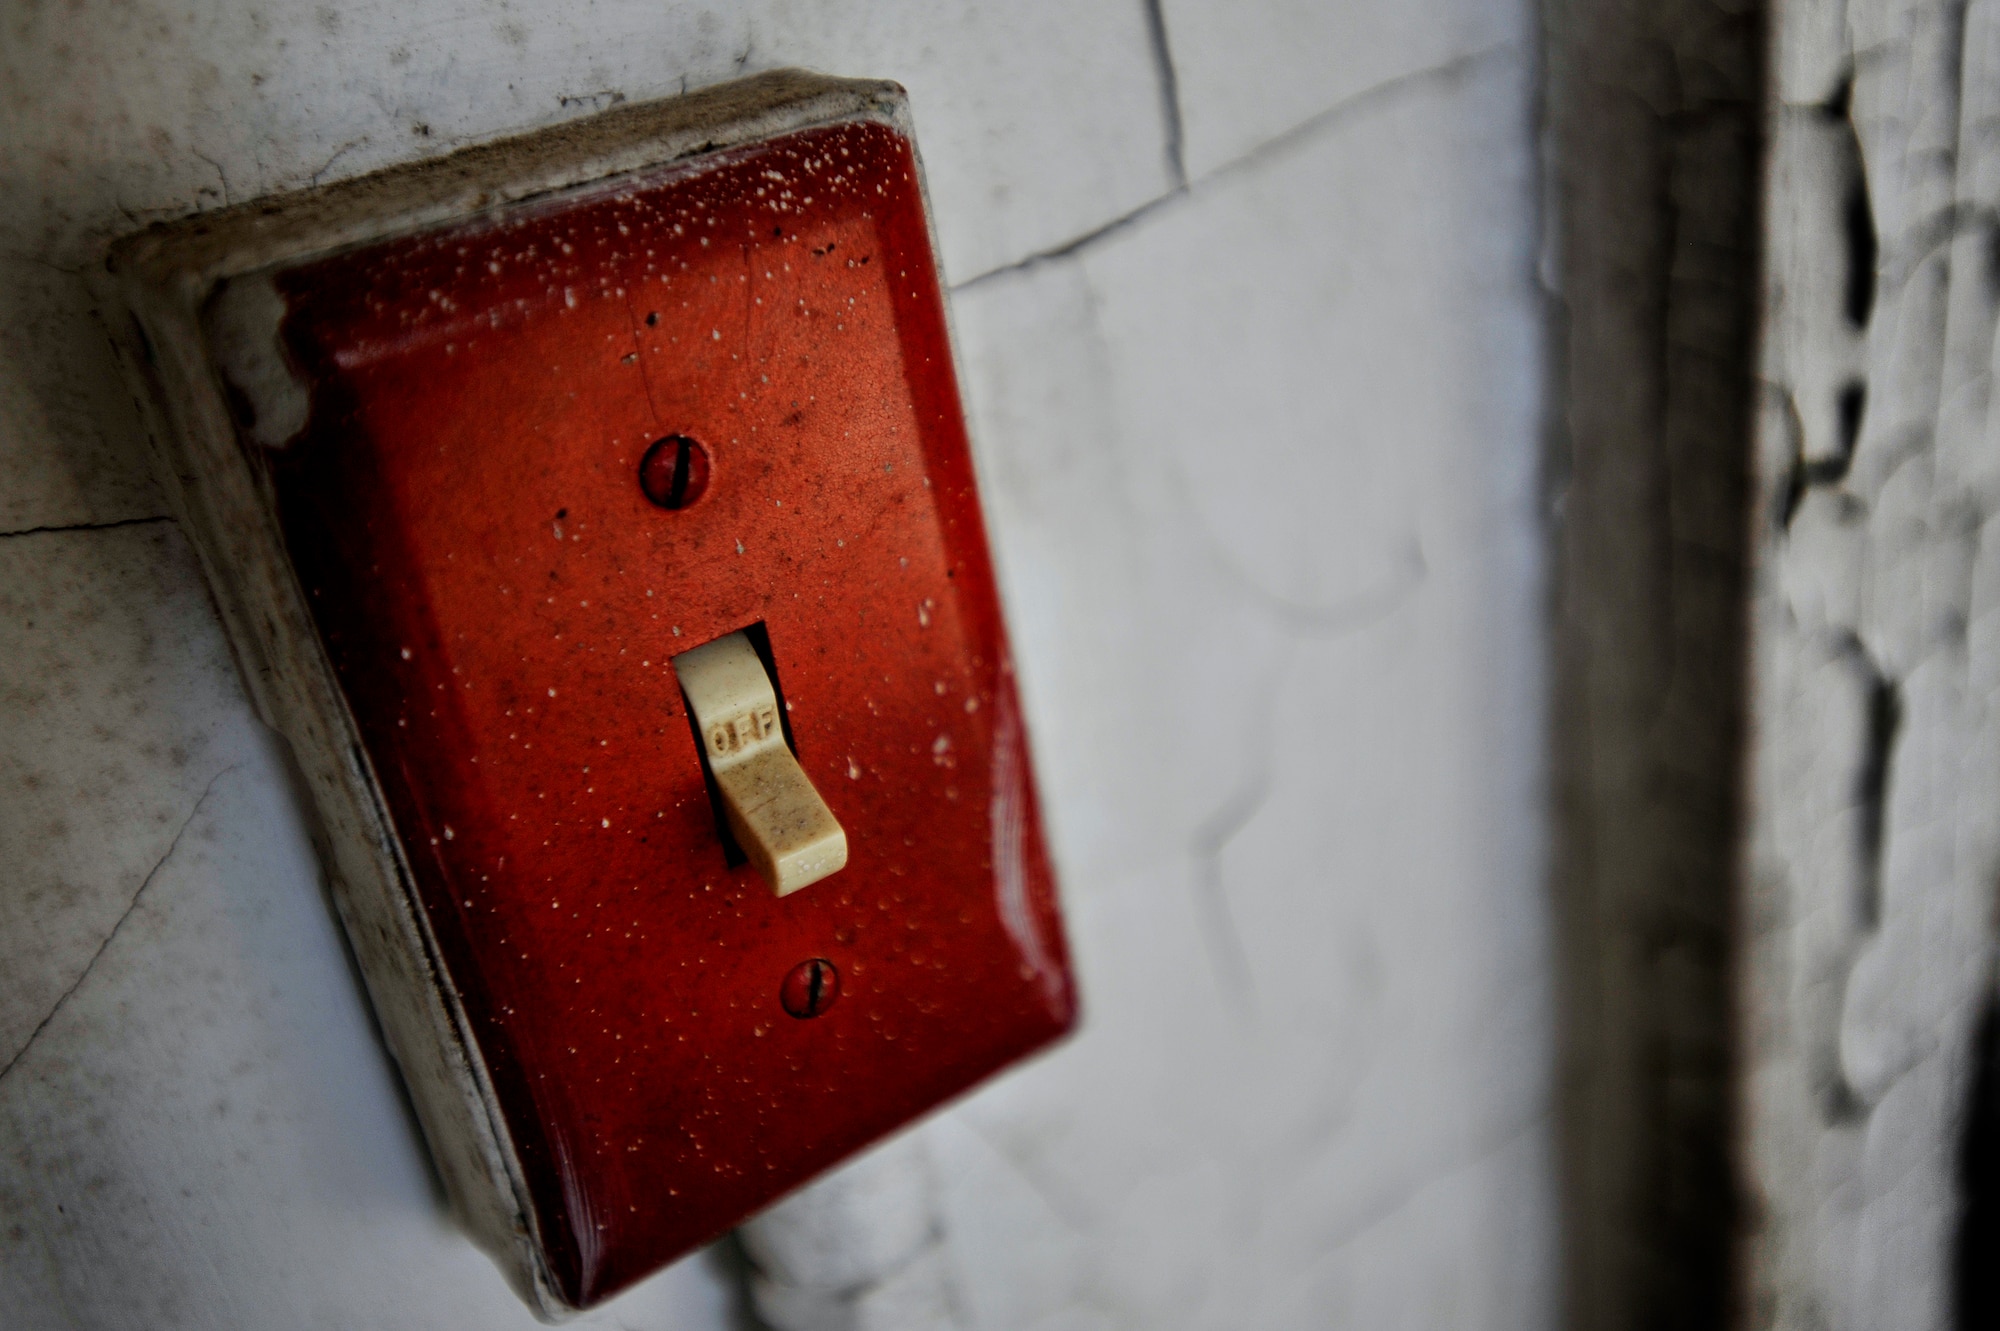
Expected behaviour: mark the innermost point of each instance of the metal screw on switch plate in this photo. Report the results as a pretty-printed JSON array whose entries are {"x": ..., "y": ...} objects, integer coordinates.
[
  {"x": 674, "y": 471},
  {"x": 810, "y": 988}
]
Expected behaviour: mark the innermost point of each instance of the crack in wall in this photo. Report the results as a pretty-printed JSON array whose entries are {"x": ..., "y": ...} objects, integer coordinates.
[
  {"x": 84, "y": 526},
  {"x": 228, "y": 199},
  {"x": 338, "y": 153},
  {"x": 1871, "y": 785},
  {"x": 1840, "y": 1105},
  {"x": 1827, "y": 473},
  {"x": 1212, "y": 835},
  {"x": 1170, "y": 92},
  {"x": 1074, "y": 245},
  {"x": 1445, "y": 73},
  {"x": 118, "y": 924},
  {"x": 1857, "y": 215}
]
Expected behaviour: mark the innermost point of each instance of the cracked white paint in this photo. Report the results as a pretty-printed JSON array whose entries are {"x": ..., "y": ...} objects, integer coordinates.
[
  {"x": 1276, "y": 425},
  {"x": 1043, "y": 116},
  {"x": 67, "y": 451},
  {"x": 1273, "y": 615},
  {"x": 1251, "y": 73},
  {"x": 172, "y": 1160},
  {"x": 1872, "y": 955},
  {"x": 122, "y": 708}
]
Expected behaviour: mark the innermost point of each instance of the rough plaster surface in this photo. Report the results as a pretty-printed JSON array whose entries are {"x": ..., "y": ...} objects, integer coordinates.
[
  {"x": 1043, "y": 116},
  {"x": 1876, "y": 834},
  {"x": 1317, "y": 1027},
  {"x": 206, "y": 1132},
  {"x": 1246, "y": 74},
  {"x": 123, "y": 709},
  {"x": 66, "y": 441},
  {"x": 1260, "y": 455}
]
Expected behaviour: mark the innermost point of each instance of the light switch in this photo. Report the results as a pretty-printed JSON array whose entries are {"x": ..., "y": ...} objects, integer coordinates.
[
  {"x": 776, "y": 816},
  {"x": 578, "y": 504}
]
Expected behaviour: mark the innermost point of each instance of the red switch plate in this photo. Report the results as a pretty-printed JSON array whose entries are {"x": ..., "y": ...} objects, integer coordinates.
[{"x": 499, "y": 599}]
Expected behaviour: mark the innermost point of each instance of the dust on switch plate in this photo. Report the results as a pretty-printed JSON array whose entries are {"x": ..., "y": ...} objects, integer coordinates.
[{"x": 496, "y": 459}]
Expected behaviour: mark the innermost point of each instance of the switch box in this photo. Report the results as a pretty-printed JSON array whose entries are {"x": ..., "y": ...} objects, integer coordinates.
[{"x": 594, "y": 513}]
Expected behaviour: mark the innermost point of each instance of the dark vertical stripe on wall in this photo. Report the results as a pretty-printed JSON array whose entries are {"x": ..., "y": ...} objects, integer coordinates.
[
  {"x": 1651, "y": 156},
  {"x": 1976, "y": 1262}
]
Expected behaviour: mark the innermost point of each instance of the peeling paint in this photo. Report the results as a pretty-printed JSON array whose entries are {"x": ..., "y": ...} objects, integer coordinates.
[{"x": 1874, "y": 849}]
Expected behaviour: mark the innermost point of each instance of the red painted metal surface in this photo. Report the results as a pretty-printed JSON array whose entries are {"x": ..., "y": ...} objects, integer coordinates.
[{"x": 501, "y": 599}]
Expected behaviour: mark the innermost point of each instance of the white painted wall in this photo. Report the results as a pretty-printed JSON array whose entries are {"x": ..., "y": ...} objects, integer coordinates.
[{"x": 1250, "y": 333}]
